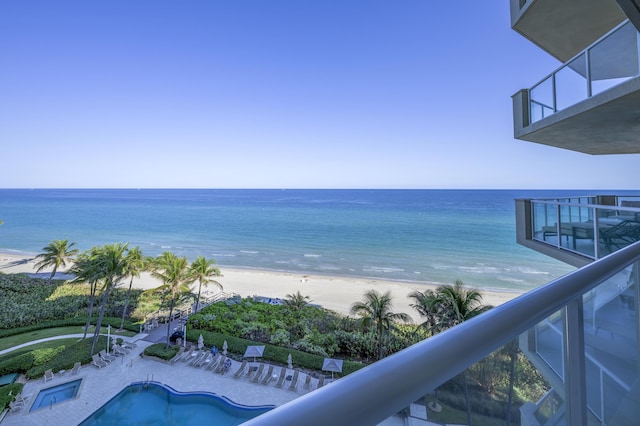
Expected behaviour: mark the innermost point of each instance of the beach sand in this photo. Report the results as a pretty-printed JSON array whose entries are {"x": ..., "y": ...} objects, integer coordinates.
[{"x": 331, "y": 292}]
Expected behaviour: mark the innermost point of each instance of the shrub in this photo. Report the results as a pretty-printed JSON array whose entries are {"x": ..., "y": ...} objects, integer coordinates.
[
  {"x": 8, "y": 393},
  {"x": 160, "y": 350}
]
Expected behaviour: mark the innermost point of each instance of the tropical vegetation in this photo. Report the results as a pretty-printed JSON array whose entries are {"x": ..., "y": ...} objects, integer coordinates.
[{"x": 309, "y": 333}]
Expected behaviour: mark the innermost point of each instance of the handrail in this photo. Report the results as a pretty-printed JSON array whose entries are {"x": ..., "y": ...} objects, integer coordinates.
[{"x": 380, "y": 390}]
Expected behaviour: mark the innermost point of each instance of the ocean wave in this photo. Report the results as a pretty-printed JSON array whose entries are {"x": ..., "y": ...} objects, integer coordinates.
[
  {"x": 248, "y": 252},
  {"x": 312, "y": 255},
  {"x": 381, "y": 269}
]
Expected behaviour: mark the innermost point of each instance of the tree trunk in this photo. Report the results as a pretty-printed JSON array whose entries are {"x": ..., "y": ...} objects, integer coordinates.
[
  {"x": 512, "y": 368},
  {"x": 126, "y": 304},
  {"x": 91, "y": 299},
  {"x": 53, "y": 273},
  {"x": 466, "y": 396},
  {"x": 169, "y": 324},
  {"x": 103, "y": 307},
  {"x": 198, "y": 299},
  {"x": 380, "y": 338}
]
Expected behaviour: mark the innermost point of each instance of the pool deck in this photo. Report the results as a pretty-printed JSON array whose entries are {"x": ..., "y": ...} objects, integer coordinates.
[{"x": 100, "y": 385}]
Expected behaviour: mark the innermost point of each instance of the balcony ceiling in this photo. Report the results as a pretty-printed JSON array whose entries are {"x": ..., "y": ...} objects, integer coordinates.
[
  {"x": 564, "y": 28},
  {"x": 608, "y": 123}
]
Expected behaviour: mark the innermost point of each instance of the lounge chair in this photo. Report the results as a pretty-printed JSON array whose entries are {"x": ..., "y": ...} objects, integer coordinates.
[
  {"x": 307, "y": 382},
  {"x": 15, "y": 406},
  {"x": 283, "y": 373},
  {"x": 268, "y": 376},
  {"x": 294, "y": 380},
  {"x": 98, "y": 362},
  {"x": 186, "y": 356},
  {"x": 205, "y": 361},
  {"x": 177, "y": 356},
  {"x": 105, "y": 356},
  {"x": 129, "y": 345},
  {"x": 213, "y": 362},
  {"x": 221, "y": 364},
  {"x": 320, "y": 382},
  {"x": 48, "y": 375},
  {"x": 22, "y": 399},
  {"x": 76, "y": 367},
  {"x": 240, "y": 369},
  {"x": 256, "y": 377},
  {"x": 195, "y": 359},
  {"x": 226, "y": 366},
  {"x": 119, "y": 350}
]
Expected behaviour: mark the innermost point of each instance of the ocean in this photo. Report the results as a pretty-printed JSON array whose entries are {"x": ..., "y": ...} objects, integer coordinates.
[{"x": 430, "y": 236}]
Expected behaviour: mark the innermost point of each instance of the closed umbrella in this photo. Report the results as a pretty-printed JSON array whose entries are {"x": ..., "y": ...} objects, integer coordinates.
[
  {"x": 290, "y": 365},
  {"x": 224, "y": 348},
  {"x": 200, "y": 342}
]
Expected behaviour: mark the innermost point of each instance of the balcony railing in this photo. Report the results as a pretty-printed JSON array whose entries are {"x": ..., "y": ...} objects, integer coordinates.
[
  {"x": 580, "y": 225},
  {"x": 608, "y": 62},
  {"x": 579, "y": 332}
]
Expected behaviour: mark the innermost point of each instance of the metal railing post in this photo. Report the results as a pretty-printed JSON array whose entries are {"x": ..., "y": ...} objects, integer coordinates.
[{"x": 575, "y": 376}]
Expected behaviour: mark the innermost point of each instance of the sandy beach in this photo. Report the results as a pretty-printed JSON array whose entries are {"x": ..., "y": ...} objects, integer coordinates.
[{"x": 331, "y": 292}]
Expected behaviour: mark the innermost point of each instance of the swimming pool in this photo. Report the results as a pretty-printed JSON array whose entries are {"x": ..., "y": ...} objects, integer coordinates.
[
  {"x": 154, "y": 403},
  {"x": 56, "y": 394}
]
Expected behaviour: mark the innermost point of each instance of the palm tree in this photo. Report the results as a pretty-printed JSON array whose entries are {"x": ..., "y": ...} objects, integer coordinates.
[
  {"x": 110, "y": 264},
  {"x": 376, "y": 310},
  {"x": 174, "y": 273},
  {"x": 56, "y": 254},
  {"x": 136, "y": 263},
  {"x": 458, "y": 303},
  {"x": 85, "y": 271},
  {"x": 296, "y": 301},
  {"x": 426, "y": 303},
  {"x": 203, "y": 270}
]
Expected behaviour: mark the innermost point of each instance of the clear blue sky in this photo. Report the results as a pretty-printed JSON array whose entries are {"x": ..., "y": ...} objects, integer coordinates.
[{"x": 274, "y": 94}]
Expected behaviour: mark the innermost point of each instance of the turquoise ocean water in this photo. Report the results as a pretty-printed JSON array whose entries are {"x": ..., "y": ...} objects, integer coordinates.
[{"x": 434, "y": 236}]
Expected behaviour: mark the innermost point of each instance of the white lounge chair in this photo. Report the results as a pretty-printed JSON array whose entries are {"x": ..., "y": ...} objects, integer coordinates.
[
  {"x": 256, "y": 377},
  {"x": 240, "y": 369},
  {"x": 105, "y": 356},
  {"x": 268, "y": 376},
  {"x": 48, "y": 375},
  {"x": 283, "y": 373},
  {"x": 294, "y": 380},
  {"x": 97, "y": 361},
  {"x": 76, "y": 367}
]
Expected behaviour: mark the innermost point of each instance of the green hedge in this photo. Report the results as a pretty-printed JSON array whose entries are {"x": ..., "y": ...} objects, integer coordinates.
[
  {"x": 79, "y": 321},
  {"x": 271, "y": 353},
  {"x": 65, "y": 359},
  {"x": 160, "y": 350}
]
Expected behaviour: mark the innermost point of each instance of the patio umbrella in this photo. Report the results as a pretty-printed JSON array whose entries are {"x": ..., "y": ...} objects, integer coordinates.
[
  {"x": 224, "y": 348},
  {"x": 333, "y": 365},
  {"x": 200, "y": 342},
  {"x": 254, "y": 351},
  {"x": 290, "y": 365}
]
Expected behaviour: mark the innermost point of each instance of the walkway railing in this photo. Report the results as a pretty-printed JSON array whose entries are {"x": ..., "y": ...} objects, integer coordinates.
[{"x": 373, "y": 394}]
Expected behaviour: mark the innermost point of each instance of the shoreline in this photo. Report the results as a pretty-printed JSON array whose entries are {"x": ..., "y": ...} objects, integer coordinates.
[{"x": 336, "y": 293}]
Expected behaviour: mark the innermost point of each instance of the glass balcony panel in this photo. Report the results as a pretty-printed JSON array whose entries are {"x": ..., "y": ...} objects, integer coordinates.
[
  {"x": 611, "y": 349},
  {"x": 614, "y": 59},
  {"x": 541, "y": 100},
  {"x": 545, "y": 219},
  {"x": 549, "y": 337},
  {"x": 503, "y": 385},
  {"x": 571, "y": 83},
  {"x": 576, "y": 228}
]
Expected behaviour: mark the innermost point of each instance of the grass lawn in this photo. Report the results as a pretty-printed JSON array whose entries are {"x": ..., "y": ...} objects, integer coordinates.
[
  {"x": 44, "y": 345},
  {"x": 18, "y": 339}
]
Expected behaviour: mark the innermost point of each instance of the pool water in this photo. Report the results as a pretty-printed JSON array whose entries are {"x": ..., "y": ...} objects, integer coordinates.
[
  {"x": 158, "y": 404},
  {"x": 56, "y": 394}
]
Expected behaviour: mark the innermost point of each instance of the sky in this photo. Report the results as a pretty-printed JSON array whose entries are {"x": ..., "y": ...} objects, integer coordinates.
[{"x": 274, "y": 94}]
